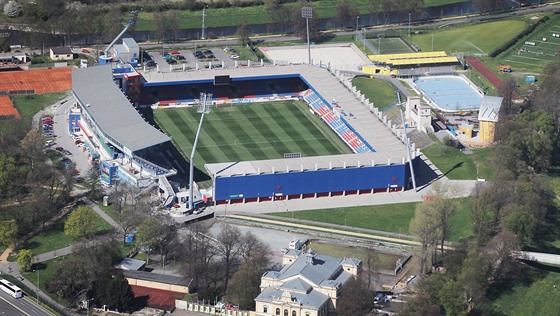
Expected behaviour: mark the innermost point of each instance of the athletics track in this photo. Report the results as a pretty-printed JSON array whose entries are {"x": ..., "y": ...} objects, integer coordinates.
[{"x": 489, "y": 75}]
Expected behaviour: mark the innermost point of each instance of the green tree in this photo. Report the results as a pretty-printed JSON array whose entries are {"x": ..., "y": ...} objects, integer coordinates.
[
  {"x": 25, "y": 260},
  {"x": 81, "y": 222},
  {"x": 113, "y": 291},
  {"x": 452, "y": 298},
  {"x": 93, "y": 182},
  {"x": 426, "y": 227},
  {"x": 8, "y": 232},
  {"x": 7, "y": 168},
  {"x": 474, "y": 277}
]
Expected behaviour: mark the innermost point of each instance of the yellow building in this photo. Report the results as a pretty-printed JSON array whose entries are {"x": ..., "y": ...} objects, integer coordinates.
[{"x": 488, "y": 117}]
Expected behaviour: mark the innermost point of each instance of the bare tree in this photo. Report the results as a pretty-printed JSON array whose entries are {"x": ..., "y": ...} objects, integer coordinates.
[
  {"x": 426, "y": 227},
  {"x": 229, "y": 248}
]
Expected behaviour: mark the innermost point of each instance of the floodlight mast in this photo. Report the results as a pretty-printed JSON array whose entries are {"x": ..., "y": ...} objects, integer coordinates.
[
  {"x": 204, "y": 108},
  {"x": 307, "y": 13},
  {"x": 407, "y": 144},
  {"x": 130, "y": 23}
]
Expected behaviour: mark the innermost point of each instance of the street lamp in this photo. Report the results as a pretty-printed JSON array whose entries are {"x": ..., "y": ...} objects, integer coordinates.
[
  {"x": 357, "y": 25},
  {"x": 203, "y": 20},
  {"x": 409, "y": 25}
]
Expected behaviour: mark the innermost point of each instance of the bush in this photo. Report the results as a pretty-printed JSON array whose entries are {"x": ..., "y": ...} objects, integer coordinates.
[{"x": 12, "y": 9}]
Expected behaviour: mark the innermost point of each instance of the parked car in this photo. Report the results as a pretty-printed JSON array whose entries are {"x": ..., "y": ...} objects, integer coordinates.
[
  {"x": 150, "y": 63},
  {"x": 47, "y": 116},
  {"x": 48, "y": 122},
  {"x": 49, "y": 143},
  {"x": 47, "y": 127},
  {"x": 229, "y": 50},
  {"x": 67, "y": 152},
  {"x": 165, "y": 54},
  {"x": 207, "y": 51},
  {"x": 234, "y": 56},
  {"x": 175, "y": 52},
  {"x": 49, "y": 135},
  {"x": 180, "y": 57},
  {"x": 59, "y": 149},
  {"x": 171, "y": 61}
]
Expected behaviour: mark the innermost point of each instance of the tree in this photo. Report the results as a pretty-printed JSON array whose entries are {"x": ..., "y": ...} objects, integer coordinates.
[
  {"x": 229, "y": 246},
  {"x": 245, "y": 283},
  {"x": 25, "y": 260},
  {"x": 345, "y": 13},
  {"x": 474, "y": 277},
  {"x": 426, "y": 227},
  {"x": 445, "y": 205},
  {"x": 166, "y": 23},
  {"x": 8, "y": 232},
  {"x": 198, "y": 255},
  {"x": 93, "y": 182},
  {"x": 12, "y": 9},
  {"x": 156, "y": 232},
  {"x": 114, "y": 291},
  {"x": 128, "y": 220},
  {"x": 299, "y": 23},
  {"x": 452, "y": 298},
  {"x": 356, "y": 298},
  {"x": 243, "y": 34},
  {"x": 7, "y": 169},
  {"x": 81, "y": 222},
  {"x": 32, "y": 147}
]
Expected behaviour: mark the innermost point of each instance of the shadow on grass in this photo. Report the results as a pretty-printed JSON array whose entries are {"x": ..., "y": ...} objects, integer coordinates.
[{"x": 457, "y": 165}]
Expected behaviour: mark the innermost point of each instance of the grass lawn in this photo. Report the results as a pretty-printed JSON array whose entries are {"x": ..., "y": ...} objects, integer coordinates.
[
  {"x": 458, "y": 166},
  {"x": 45, "y": 274},
  {"x": 470, "y": 38},
  {"x": 393, "y": 218},
  {"x": 233, "y": 16},
  {"x": 537, "y": 298},
  {"x": 28, "y": 105},
  {"x": 378, "y": 91},
  {"x": 253, "y": 131},
  {"x": 386, "y": 260},
  {"x": 55, "y": 238}
]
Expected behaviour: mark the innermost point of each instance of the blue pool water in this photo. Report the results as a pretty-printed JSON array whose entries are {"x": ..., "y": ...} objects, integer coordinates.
[{"x": 450, "y": 93}]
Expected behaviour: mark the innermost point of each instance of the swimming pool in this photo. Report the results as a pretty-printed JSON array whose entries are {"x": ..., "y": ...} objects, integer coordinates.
[{"x": 450, "y": 93}]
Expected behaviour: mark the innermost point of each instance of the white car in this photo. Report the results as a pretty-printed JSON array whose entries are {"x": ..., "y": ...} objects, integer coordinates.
[
  {"x": 234, "y": 56},
  {"x": 83, "y": 63}
]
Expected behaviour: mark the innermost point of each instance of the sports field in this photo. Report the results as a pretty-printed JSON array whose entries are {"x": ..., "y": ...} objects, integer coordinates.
[
  {"x": 250, "y": 131},
  {"x": 525, "y": 57},
  {"x": 390, "y": 45}
]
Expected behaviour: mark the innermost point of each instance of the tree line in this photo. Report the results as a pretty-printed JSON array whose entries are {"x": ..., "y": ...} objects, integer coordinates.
[{"x": 515, "y": 210}]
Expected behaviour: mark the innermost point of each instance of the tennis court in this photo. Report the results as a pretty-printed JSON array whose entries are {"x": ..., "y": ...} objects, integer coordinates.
[
  {"x": 450, "y": 93},
  {"x": 155, "y": 298},
  {"x": 7, "y": 109},
  {"x": 37, "y": 81}
]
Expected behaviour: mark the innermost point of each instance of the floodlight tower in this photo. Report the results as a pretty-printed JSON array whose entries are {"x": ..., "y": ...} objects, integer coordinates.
[
  {"x": 307, "y": 13},
  {"x": 204, "y": 108},
  {"x": 407, "y": 144}
]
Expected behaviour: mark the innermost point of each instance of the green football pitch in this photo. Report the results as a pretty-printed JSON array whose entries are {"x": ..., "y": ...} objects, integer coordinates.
[{"x": 250, "y": 131}]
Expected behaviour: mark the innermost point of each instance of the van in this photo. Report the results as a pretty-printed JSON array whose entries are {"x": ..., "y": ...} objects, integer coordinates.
[{"x": 49, "y": 143}]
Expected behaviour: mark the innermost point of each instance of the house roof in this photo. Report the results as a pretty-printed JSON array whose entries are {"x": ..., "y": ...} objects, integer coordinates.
[
  {"x": 111, "y": 110},
  {"x": 129, "y": 42},
  {"x": 312, "y": 300},
  {"x": 62, "y": 50},
  {"x": 131, "y": 264},
  {"x": 489, "y": 108},
  {"x": 155, "y": 277}
]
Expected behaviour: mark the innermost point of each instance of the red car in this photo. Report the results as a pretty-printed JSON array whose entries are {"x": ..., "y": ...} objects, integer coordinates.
[
  {"x": 85, "y": 51},
  {"x": 175, "y": 52},
  {"x": 48, "y": 122},
  {"x": 59, "y": 149},
  {"x": 46, "y": 116}
]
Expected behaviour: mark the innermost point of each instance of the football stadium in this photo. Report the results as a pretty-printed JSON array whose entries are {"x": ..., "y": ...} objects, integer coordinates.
[{"x": 274, "y": 132}]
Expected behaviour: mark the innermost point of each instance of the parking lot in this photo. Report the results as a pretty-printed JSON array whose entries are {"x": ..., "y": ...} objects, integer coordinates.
[{"x": 166, "y": 60}]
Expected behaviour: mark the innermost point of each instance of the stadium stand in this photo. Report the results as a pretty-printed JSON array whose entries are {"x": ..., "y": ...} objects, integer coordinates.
[{"x": 333, "y": 120}]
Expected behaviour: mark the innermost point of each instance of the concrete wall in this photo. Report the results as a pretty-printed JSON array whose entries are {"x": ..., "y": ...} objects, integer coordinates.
[{"x": 159, "y": 285}]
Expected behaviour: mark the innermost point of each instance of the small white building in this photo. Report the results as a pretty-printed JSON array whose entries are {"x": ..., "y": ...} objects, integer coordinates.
[
  {"x": 128, "y": 51},
  {"x": 61, "y": 53}
]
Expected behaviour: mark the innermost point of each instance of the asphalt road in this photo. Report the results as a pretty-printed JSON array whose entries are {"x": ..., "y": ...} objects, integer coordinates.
[{"x": 21, "y": 306}]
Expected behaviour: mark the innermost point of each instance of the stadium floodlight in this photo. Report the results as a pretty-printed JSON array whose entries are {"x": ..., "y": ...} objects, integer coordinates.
[
  {"x": 307, "y": 13},
  {"x": 400, "y": 104},
  {"x": 204, "y": 105}
]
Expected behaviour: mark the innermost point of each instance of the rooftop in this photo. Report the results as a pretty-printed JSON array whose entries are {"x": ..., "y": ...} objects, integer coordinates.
[
  {"x": 489, "y": 108},
  {"x": 62, "y": 50},
  {"x": 94, "y": 88}
]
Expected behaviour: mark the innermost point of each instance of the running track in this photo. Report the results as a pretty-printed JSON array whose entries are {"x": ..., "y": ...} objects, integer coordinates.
[{"x": 489, "y": 75}]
